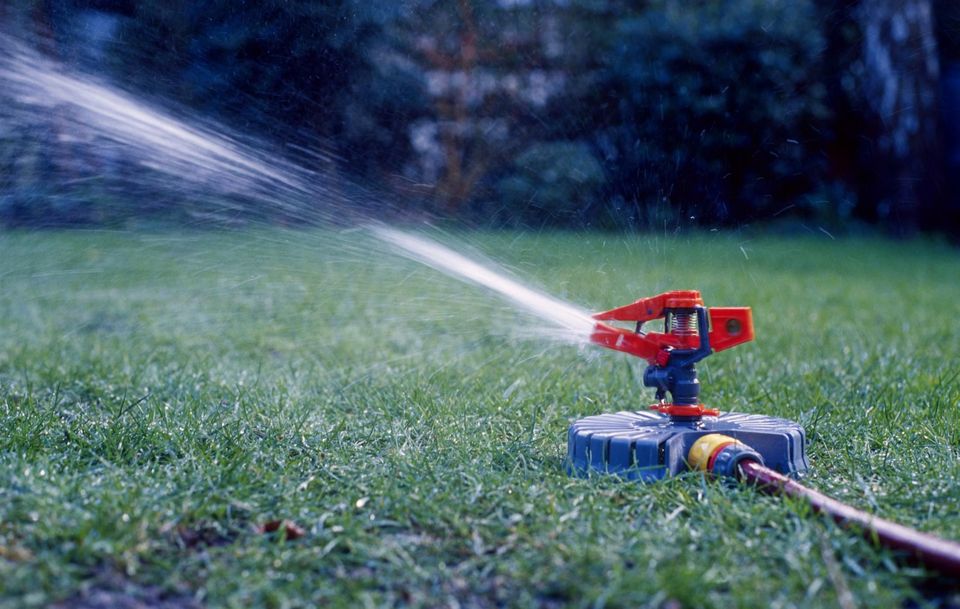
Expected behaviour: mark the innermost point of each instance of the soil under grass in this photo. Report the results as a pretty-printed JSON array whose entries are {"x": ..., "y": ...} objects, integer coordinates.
[{"x": 163, "y": 397}]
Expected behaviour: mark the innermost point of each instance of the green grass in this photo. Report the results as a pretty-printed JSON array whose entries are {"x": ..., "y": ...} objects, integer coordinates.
[{"x": 161, "y": 395}]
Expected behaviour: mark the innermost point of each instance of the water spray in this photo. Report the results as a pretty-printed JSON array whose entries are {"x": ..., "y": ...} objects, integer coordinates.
[{"x": 683, "y": 434}]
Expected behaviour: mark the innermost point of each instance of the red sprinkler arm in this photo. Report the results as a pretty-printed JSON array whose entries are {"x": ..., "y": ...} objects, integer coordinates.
[{"x": 729, "y": 326}]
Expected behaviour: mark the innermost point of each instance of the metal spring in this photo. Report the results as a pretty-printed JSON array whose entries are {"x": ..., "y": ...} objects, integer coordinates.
[{"x": 683, "y": 324}]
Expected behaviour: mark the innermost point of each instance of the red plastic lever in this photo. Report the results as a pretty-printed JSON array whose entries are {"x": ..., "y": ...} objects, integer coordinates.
[
  {"x": 647, "y": 309},
  {"x": 729, "y": 326}
]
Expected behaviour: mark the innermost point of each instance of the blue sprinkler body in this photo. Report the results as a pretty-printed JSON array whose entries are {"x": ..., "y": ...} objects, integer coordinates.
[{"x": 654, "y": 443}]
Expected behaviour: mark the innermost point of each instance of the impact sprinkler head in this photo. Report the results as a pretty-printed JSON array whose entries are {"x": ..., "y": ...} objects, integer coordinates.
[{"x": 654, "y": 443}]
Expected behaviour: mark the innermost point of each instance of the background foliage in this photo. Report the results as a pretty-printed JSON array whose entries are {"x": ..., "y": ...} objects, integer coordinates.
[{"x": 534, "y": 112}]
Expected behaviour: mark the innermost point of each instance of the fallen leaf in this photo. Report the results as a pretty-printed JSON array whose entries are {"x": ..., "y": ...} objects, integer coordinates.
[{"x": 291, "y": 529}]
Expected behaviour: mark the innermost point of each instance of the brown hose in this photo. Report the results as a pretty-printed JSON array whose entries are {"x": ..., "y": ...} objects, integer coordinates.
[{"x": 934, "y": 552}]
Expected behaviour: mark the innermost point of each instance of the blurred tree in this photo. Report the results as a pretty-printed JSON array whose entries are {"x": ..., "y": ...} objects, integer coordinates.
[
  {"x": 947, "y": 21},
  {"x": 706, "y": 108},
  {"x": 452, "y": 57},
  {"x": 842, "y": 75},
  {"x": 254, "y": 61},
  {"x": 488, "y": 69},
  {"x": 884, "y": 140},
  {"x": 307, "y": 74},
  {"x": 901, "y": 82},
  {"x": 43, "y": 180}
]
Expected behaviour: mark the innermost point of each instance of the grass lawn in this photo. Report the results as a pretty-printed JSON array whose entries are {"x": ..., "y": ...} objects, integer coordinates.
[{"x": 162, "y": 395}]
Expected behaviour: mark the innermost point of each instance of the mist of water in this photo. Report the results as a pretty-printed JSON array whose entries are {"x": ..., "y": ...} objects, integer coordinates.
[
  {"x": 190, "y": 158},
  {"x": 573, "y": 320},
  {"x": 178, "y": 155}
]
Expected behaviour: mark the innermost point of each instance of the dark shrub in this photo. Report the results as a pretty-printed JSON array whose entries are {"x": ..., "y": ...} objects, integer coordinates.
[
  {"x": 712, "y": 108},
  {"x": 552, "y": 182}
]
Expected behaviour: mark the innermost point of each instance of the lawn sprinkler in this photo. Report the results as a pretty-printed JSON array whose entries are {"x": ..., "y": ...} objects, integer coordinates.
[
  {"x": 654, "y": 443},
  {"x": 683, "y": 434}
]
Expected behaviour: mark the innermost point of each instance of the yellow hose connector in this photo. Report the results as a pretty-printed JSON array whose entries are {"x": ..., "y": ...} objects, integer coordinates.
[{"x": 705, "y": 449}]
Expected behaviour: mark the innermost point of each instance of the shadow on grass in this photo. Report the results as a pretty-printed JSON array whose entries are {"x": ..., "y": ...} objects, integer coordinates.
[{"x": 110, "y": 589}]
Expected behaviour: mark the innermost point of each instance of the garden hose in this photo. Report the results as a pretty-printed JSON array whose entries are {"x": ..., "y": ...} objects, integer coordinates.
[{"x": 722, "y": 455}]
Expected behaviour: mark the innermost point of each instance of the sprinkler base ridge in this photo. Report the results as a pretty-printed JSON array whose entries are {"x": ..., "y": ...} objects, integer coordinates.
[{"x": 649, "y": 446}]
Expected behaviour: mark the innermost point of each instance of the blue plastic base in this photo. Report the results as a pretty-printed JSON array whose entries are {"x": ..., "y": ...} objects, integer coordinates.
[{"x": 649, "y": 446}]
